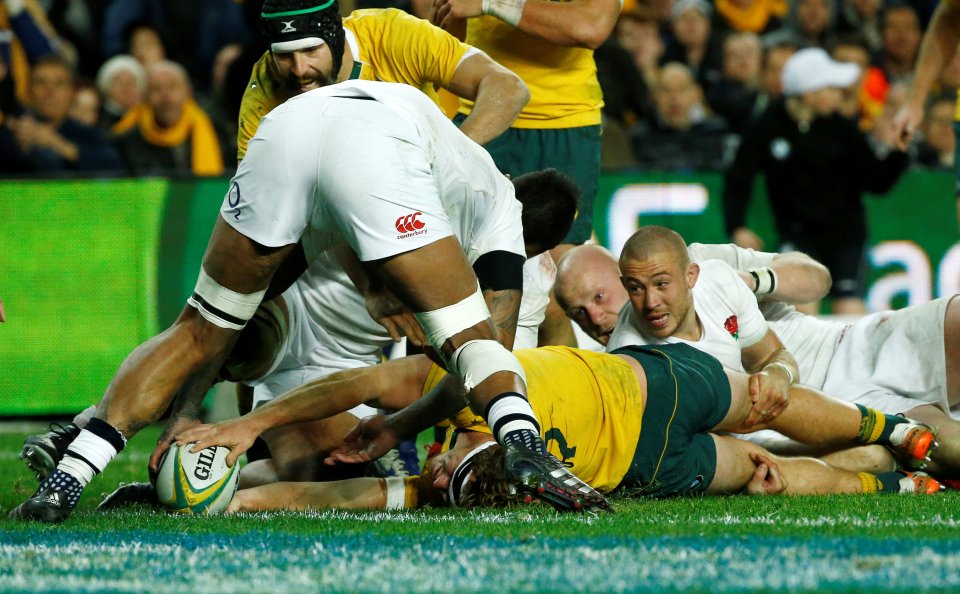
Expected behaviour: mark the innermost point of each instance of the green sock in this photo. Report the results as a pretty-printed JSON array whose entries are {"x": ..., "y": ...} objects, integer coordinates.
[
  {"x": 876, "y": 427},
  {"x": 889, "y": 482}
]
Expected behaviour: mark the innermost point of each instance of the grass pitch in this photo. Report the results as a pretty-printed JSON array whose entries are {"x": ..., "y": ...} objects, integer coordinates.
[{"x": 735, "y": 544}]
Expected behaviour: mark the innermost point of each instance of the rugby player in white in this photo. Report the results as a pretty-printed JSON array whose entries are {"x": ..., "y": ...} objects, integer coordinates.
[
  {"x": 797, "y": 279},
  {"x": 341, "y": 164}
]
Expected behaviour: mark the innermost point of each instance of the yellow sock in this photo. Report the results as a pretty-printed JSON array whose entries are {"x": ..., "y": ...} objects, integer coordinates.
[{"x": 869, "y": 482}]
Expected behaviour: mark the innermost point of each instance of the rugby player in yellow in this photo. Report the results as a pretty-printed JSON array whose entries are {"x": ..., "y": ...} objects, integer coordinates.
[
  {"x": 311, "y": 46},
  {"x": 639, "y": 421},
  {"x": 550, "y": 46}
]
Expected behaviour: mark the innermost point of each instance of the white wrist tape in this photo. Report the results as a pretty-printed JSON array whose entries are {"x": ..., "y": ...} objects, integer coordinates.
[
  {"x": 766, "y": 280},
  {"x": 785, "y": 368},
  {"x": 396, "y": 493},
  {"x": 476, "y": 360},
  {"x": 441, "y": 324},
  {"x": 221, "y": 306},
  {"x": 508, "y": 11}
]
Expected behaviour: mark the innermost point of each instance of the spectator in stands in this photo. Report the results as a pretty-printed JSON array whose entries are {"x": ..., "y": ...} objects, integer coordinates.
[
  {"x": 861, "y": 18},
  {"x": 46, "y": 139},
  {"x": 809, "y": 24},
  {"x": 817, "y": 165},
  {"x": 683, "y": 136},
  {"x": 755, "y": 16},
  {"x": 937, "y": 142},
  {"x": 771, "y": 87},
  {"x": 145, "y": 44},
  {"x": 639, "y": 34},
  {"x": 863, "y": 101},
  {"x": 734, "y": 96},
  {"x": 626, "y": 96},
  {"x": 25, "y": 37},
  {"x": 86, "y": 104},
  {"x": 692, "y": 42},
  {"x": 169, "y": 133},
  {"x": 901, "y": 34},
  {"x": 122, "y": 82}
]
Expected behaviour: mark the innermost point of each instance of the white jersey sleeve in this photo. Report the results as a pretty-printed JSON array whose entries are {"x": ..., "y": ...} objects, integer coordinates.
[
  {"x": 539, "y": 273},
  {"x": 736, "y": 257}
]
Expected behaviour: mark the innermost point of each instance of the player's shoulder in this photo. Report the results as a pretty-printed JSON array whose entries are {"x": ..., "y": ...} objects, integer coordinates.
[{"x": 381, "y": 18}]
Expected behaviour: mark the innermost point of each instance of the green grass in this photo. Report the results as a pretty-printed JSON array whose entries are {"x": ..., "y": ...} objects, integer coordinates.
[{"x": 734, "y": 544}]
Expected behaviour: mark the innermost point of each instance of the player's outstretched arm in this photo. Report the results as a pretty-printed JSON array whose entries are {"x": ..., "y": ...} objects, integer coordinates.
[
  {"x": 577, "y": 23},
  {"x": 938, "y": 47},
  {"x": 358, "y": 493}
]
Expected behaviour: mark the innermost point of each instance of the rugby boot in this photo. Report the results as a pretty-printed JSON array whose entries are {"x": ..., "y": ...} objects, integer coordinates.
[
  {"x": 56, "y": 497},
  {"x": 915, "y": 442},
  {"x": 919, "y": 483},
  {"x": 129, "y": 495},
  {"x": 42, "y": 452},
  {"x": 542, "y": 476}
]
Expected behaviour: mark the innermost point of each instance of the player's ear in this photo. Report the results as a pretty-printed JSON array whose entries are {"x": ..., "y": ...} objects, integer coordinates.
[{"x": 693, "y": 273}]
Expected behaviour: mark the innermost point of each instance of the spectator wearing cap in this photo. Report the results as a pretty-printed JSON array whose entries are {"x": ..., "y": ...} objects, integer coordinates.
[
  {"x": 311, "y": 46},
  {"x": 692, "y": 41},
  {"x": 122, "y": 82},
  {"x": 169, "y": 133},
  {"x": 817, "y": 165}
]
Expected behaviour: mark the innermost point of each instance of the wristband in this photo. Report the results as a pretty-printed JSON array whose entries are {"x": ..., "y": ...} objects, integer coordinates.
[
  {"x": 785, "y": 369},
  {"x": 508, "y": 11},
  {"x": 396, "y": 493},
  {"x": 765, "y": 279}
]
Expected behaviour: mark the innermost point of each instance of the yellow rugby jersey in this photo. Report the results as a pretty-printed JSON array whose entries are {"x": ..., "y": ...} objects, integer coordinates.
[
  {"x": 564, "y": 90},
  {"x": 388, "y": 45},
  {"x": 589, "y": 407}
]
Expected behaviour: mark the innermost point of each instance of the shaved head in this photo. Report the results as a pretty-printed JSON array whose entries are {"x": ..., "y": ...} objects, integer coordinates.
[
  {"x": 589, "y": 291},
  {"x": 653, "y": 239}
]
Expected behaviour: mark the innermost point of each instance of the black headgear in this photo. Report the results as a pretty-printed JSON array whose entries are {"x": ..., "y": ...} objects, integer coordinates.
[{"x": 289, "y": 20}]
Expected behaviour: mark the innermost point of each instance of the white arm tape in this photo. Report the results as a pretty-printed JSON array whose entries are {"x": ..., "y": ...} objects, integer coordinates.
[
  {"x": 396, "y": 493},
  {"x": 221, "y": 306},
  {"x": 766, "y": 279},
  {"x": 508, "y": 11},
  {"x": 442, "y": 324},
  {"x": 476, "y": 360}
]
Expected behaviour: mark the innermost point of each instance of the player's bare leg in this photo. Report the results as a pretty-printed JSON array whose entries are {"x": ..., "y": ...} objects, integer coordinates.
[
  {"x": 806, "y": 476},
  {"x": 491, "y": 373},
  {"x": 813, "y": 417},
  {"x": 180, "y": 363}
]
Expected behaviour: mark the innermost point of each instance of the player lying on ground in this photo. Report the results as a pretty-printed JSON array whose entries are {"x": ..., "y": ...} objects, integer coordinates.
[
  {"x": 640, "y": 421},
  {"x": 336, "y": 165},
  {"x": 899, "y": 362},
  {"x": 321, "y": 324}
]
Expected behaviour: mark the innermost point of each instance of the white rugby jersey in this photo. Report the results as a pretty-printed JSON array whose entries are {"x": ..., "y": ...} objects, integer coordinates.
[{"x": 727, "y": 311}]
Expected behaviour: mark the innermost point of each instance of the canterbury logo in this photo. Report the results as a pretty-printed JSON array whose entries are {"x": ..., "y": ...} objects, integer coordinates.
[
  {"x": 409, "y": 223},
  {"x": 288, "y": 27}
]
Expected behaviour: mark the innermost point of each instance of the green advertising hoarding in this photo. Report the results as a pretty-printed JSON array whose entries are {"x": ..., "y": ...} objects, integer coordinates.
[{"x": 89, "y": 269}]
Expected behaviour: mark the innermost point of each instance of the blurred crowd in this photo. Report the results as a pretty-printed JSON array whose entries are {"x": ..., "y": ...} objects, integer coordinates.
[
  {"x": 141, "y": 87},
  {"x": 683, "y": 78}
]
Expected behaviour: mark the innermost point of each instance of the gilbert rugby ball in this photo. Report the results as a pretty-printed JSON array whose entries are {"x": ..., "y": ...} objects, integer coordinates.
[{"x": 199, "y": 483}]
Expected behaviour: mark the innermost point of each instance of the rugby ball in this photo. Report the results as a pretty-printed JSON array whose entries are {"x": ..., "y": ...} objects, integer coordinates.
[{"x": 199, "y": 483}]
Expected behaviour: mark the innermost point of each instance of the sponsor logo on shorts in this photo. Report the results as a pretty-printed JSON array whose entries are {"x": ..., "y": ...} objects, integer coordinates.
[
  {"x": 409, "y": 225},
  {"x": 233, "y": 199},
  {"x": 731, "y": 326}
]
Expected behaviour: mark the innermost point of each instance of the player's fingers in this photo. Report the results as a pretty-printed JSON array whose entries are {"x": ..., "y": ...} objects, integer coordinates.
[
  {"x": 387, "y": 323},
  {"x": 754, "y": 388}
]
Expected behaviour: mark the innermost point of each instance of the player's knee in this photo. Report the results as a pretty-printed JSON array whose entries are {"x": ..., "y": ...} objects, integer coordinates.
[
  {"x": 477, "y": 360},
  {"x": 258, "y": 345}
]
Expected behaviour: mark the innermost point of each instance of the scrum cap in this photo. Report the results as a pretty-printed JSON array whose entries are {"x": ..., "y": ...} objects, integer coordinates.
[{"x": 291, "y": 25}]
